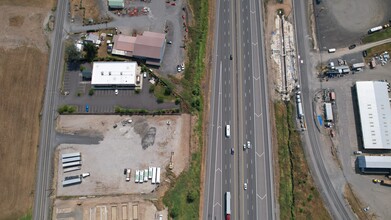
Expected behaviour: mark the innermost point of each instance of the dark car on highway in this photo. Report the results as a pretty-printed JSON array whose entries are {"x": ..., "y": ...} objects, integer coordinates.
[{"x": 351, "y": 47}]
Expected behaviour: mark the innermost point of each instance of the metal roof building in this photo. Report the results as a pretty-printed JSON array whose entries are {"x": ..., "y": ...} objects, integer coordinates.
[
  {"x": 149, "y": 46},
  {"x": 375, "y": 113},
  {"x": 114, "y": 74},
  {"x": 374, "y": 164}
]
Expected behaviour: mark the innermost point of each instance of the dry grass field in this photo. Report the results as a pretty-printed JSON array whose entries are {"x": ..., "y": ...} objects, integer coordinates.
[{"x": 23, "y": 67}]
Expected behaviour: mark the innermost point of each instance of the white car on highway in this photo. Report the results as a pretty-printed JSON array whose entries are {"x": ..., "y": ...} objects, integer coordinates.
[{"x": 245, "y": 186}]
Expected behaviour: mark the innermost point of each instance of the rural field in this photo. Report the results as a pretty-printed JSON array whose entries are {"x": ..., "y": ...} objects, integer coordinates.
[{"x": 23, "y": 66}]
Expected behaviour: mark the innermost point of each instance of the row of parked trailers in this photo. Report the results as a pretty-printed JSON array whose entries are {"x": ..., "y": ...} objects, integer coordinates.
[
  {"x": 71, "y": 162},
  {"x": 153, "y": 174}
]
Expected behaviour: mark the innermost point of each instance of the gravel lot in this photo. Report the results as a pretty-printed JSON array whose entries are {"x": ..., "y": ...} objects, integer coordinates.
[
  {"x": 106, "y": 208},
  {"x": 375, "y": 196},
  {"x": 342, "y": 23},
  {"x": 147, "y": 141}
]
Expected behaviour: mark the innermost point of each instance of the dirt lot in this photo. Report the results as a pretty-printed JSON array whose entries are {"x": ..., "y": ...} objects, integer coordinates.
[
  {"x": 341, "y": 23},
  {"x": 145, "y": 142},
  {"x": 120, "y": 207},
  {"x": 22, "y": 46}
]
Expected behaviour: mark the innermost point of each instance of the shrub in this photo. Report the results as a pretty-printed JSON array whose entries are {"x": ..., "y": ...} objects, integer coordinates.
[
  {"x": 91, "y": 92},
  {"x": 160, "y": 100},
  {"x": 152, "y": 89}
]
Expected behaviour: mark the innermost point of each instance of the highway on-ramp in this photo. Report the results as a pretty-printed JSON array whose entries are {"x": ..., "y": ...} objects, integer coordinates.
[
  {"x": 239, "y": 98},
  {"x": 43, "y": 188}
]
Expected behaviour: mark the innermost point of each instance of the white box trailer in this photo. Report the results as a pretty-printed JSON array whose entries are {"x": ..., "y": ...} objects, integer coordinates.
[
  {"x": 70, "y": 169},
  {"x": 146, "y": 175},
  {"x": 328, "y": 112},
  {"x": 71, "y": 164},
  {"x": 76, "y": 154},
  {"x": 71, "y": 159},
  {"x": 153, "y": 175},
  {"x": 358, "y": 65},
  {"x": 158, "y": 175},
  {"x": 141, "y": 180},
  {"x": 71, "y": 181},
  {"x": 137, "y": 176},
  {"x": 150, "y": 173}
]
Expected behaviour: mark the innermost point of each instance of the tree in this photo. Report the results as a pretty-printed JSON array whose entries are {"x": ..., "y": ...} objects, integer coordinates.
[
  {"x": 167, "y": 91},
  {"x": 71, "y": 53},
  {"x": 91, "y": 52}
]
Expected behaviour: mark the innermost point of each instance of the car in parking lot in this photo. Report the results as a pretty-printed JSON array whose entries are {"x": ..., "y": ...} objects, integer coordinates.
[
  {"x": 116, "y": 92},
  {"x": 376, "y": 180},
  {"x": 183, "y": 66},
  {"x": 230, "y": 57},
  {"x": 87, "y": 107},
  {"x": 179, "y": 68},
  {"x": 232, "y": 151},
  {"x": 351, "y": 47},
  {"x": 244, "y": 146},
  {"x": 245, "y": 186},
  {"x": 145, "y": 75},
  {"x": 365, "y": 53},
  {"x": 248, "y": 144},
  {"x": 357, "y": 152}
]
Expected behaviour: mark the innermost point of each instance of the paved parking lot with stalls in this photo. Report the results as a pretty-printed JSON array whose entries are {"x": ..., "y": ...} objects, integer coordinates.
[{"x": 137, "y": 143}]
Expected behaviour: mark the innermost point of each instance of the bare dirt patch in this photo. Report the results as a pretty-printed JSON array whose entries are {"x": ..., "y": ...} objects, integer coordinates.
[
  {"x": 22, "y": 82},
  {"x": 16, "y": 21},
  {"x": 22, "y": 26},
  {"x": 86, "y": 9}
]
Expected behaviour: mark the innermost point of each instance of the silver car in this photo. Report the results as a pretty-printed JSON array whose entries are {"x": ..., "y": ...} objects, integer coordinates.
[{"x": 248, "y": 144}]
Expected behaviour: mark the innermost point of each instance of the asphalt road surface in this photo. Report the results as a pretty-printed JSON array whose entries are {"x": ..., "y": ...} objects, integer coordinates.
[
  {"x": 239, "y": 99},
  {"x": 47, "y": 136},
  {"x": 335, "y": 201}
]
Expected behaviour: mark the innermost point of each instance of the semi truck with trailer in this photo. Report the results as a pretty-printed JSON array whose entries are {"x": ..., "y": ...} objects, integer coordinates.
[
  {"x": 227, "y": 206},
  {"x": 69, "y": 155}
]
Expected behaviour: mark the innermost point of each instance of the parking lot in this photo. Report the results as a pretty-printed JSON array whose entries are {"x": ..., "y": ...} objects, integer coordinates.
[
  {"x": 348, "y": 140},
  {"x": 145, "y": 142},
  {"x": 342, "y": 23},
  {"x": 104, "y": 101}
]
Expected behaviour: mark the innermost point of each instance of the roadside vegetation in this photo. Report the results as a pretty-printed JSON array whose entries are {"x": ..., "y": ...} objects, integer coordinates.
[
  {"x": 377, "y": 51},
  {"x": 183, "y": 198},
  {"x": 66, "y": 109},
  {"x": 381, "y": 35},
  {"x": 298, "y": 196}
]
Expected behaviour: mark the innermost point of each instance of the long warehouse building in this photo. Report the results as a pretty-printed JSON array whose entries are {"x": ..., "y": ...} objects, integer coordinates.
[
  {"x": 375, "y": 114},
  {"x": 374, "y": 164}
]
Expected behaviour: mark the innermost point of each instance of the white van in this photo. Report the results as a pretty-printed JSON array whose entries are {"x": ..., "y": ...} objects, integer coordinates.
[
  {"x": 332, "y": 50},
  {"x": 227, "y": 131}
]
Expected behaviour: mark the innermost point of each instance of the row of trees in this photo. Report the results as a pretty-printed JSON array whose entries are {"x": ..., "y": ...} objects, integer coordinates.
[{"x": 73, "y": 55}]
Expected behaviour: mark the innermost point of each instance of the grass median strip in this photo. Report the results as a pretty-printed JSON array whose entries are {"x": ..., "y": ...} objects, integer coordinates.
[{"x": 298, "y": 196}]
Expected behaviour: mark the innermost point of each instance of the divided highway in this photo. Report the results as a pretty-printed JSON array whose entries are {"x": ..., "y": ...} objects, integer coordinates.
[
  {"x": 239, "y": 99},
  {"x": 47, "y": 135}
]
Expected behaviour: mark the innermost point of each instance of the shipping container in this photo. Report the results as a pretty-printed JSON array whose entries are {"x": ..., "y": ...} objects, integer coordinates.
[
  {"x": 70, "y": 169},
  {"x": 77, "y": 154},
  {"x": 150, "y": 173},
  {"x": 71, "y": 164},
  {"x": 146, "y": 175},
  {"x": 141, "y": 180},
  {"x": 153, "y": 175},
  {"x": 137, "y": 176},
  {"x": 71, "y": 159},
  {"x": 71, "y": 181},
  {"x": 158, "y": 175}
]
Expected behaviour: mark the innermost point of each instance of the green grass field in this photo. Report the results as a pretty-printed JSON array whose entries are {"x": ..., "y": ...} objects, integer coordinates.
[
  {"x": 183, "y": 198},
  {"x": 377, "y": 36}
]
